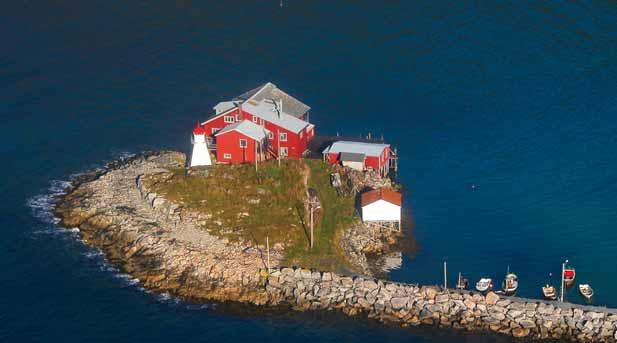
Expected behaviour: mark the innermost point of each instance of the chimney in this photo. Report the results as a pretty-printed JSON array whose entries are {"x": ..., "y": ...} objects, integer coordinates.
[{"x": 279, "y": 105}]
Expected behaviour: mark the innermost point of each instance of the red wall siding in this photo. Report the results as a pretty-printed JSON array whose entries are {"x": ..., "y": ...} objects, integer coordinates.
[
  {"x": 294, "y": 144},
  {"x": 229, "y": 143}
]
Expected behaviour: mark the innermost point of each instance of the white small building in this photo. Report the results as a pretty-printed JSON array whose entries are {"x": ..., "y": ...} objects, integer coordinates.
[
  {"x": 200, "y": 155},
  {"x": 382, "y": 206}
]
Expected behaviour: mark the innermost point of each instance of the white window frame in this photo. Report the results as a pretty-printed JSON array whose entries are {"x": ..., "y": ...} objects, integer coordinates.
[
  {"x": 215, "y": 130},
  {"x": 246, "y": 143},
  {"x": 270, "y": 135},
  {"x": 227, "y": 155},
  {"x": 283, "y": 136},
  {"x": 229, "y": 119},
  {"x": 255, "y": 120},
  {"x": 283, "y": 151}
]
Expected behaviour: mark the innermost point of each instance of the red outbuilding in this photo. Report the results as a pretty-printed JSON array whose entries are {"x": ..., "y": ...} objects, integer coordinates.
[{"x": 360, "y": 155}]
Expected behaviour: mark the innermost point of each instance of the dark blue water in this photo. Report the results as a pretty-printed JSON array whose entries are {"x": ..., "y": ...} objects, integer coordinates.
[{"x": 516, "y": 99}]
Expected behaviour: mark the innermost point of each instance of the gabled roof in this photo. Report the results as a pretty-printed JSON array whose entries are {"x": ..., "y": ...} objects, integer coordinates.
[
  {"x": 269, "y": 91},
  {"x": 247, "y": 128},
  {"x": 352, "y": 157},
  {"x": 267, "y": 111},
  {"x": 224, "y": 106},
  {"x": 385, "y": 194},
  {"x": 369, "y": 149}
]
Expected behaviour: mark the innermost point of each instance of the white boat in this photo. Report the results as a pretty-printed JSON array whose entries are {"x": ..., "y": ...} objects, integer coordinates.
[
  {"x": 586, "y": 291},
  {"x": 510, "y": 284},
  {"x": 549, "y": 292},
  {"x": 485, "y": 284}
]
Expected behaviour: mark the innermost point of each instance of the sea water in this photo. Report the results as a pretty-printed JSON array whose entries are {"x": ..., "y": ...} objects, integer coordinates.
[{"x": 504, "y": 116}]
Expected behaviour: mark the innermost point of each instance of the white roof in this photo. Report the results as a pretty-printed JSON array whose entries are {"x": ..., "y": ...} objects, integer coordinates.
[
  {"x": 267, "y": 111},
  {"x": 224, "y": 106},
  {"x": 369, "y": 149},
  {"x": 247, "y": 128}
]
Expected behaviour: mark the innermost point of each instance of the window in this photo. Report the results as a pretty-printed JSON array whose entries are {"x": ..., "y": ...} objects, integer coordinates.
[
  {"x": 270, "y": 135},
  {"x": 215, "y": 130},
  {"x": 227, "y": 156},
  {"x": 283, "y": 136},
  {"x": 228, "y": 119},
  {"x": 283, "y": 151},
  {"x": 243, "y": 143},
  {"x": 255, "y": 119}
]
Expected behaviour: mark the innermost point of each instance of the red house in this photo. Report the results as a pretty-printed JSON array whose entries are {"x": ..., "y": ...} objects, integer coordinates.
[
  {"x": 242, "y": 142},
  {"x": 360, "y": 155},
  {"x": 284, "y": 119}
]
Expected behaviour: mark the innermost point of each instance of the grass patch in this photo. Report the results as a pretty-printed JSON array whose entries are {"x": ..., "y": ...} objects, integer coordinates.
[
  {"x": 337, "y": 213},
  {"x": 243, "y": 204}
]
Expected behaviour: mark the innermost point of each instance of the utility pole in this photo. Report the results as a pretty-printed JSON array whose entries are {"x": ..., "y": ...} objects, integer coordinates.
[{"x": 313, "y": 206}]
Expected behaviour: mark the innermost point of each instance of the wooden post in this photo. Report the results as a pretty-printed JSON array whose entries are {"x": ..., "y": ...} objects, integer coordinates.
[
  {"x": 445, "y": 275},
  {"x": 255, "y": 157},
  {"x": 311, "y": 210},
  {"x": 268, "y": 251}
]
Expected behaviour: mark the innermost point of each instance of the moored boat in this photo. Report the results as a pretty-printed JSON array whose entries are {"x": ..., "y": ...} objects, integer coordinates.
[
  {"x": 462, "y": 282},
  {"x": 586, "y": 291},
  {"x": 549, "y": 292},
  {"x": 484, "y": 285},
  {"x": 569, "y": 274},
  {"x": 510, "y": 284}
]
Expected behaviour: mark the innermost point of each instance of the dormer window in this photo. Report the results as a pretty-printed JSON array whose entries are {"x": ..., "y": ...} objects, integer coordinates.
[{"x": 228, "y": 119}]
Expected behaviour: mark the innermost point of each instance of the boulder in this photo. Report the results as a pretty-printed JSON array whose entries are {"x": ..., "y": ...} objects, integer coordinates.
[
  {"x": 520, "y": 332},
  {"x": 492, "y": 298}
]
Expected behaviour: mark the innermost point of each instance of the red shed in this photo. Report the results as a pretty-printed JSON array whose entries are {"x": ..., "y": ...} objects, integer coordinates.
[
  {"x": 242, "y": 142},
  {"x": 374, "y": 155}
]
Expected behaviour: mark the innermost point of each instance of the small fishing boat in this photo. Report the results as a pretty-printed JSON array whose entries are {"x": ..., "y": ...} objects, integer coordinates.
[
  {"x": 569, "y": 274},
  {"x": 586, "y": 291},
  {"x": 484, "y": 285},
  {"x": 550, "y": 292},
  {"x": 510, "y": 283},
  {"x": 462, "y": 282}
]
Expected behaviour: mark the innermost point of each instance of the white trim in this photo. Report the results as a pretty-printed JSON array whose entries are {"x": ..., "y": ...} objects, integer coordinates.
[
  {"x": 281, "y": 135},
  {"x": 217, "y": 116},
  {"x": 283, "y": 151},
  {"x": 227, "y": 155},
  {"x": 214, "y": 130},
  {"x": 270, "y": 135},
  {"x": 242, "y": 140},
  {"x": 227, "y": 120}
]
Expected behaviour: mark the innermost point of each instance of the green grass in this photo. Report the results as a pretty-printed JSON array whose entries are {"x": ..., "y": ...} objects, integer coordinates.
[
  {"x": 225, "y": 192},
  {"x": 337, "y": 213}
]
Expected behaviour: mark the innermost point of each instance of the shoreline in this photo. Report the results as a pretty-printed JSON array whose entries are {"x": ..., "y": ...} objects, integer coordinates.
[{"x": 133, "y": 228}]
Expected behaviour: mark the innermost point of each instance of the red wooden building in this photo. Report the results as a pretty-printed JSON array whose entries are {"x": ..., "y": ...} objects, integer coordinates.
[
  {"x": 283, "y": 118},
  {"x": 242, "y": 142},
  {"x": 360, "y": 155}
]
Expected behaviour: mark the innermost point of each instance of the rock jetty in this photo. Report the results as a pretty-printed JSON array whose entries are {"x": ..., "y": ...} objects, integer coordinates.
[{"x": 163, "y": 245}]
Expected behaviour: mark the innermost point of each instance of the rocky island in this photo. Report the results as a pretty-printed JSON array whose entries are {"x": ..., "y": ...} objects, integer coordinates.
[{"x": 201, "y": 235}]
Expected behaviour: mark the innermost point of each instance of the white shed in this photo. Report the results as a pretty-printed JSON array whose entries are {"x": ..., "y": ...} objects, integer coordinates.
[{"x": 381, "y": 205}]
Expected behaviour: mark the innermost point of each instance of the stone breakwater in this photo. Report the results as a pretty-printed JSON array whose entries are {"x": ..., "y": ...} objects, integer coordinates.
[
  {"x": 413, "y": 305},
  {"x": 163, "y": 245}
]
